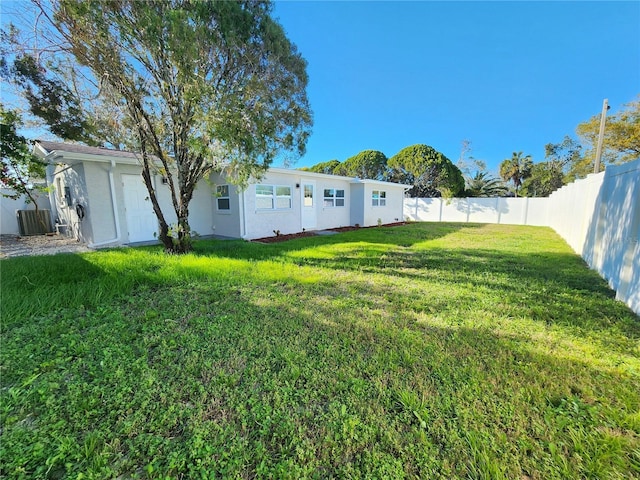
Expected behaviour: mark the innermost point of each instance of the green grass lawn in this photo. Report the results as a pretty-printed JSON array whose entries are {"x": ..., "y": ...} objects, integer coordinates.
[{"x": 422, "y": 351}]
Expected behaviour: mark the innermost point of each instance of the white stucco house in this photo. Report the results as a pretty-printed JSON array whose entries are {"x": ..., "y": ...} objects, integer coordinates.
[{"x": 100, "y": 197}]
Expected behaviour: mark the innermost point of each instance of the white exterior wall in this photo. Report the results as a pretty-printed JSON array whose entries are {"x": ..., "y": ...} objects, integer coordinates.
[
  {"x": 10, "y": 207},
  {"x": 72, "y": 177},
  {"x": 201, "y": 206},
  {"x": 333, "y": 217},
  {"x": 358, "y": 208},
  {"x": 390, "y": 213},
  {"x": 225, "y": 222},
  {"x": 262, "y": 223},
  {"x": 99, "y": 210}
]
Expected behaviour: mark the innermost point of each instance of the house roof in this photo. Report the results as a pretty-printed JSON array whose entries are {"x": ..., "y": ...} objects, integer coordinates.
[
  {"x": 304, "y": 173},
  {"x": 71, "y": 153},
  {"x": 51, "y": 147}
]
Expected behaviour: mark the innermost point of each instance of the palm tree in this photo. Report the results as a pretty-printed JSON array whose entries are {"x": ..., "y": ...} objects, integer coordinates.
[
  {"x": 516, "y": 169},
  {"x": 484, "y": 185}
]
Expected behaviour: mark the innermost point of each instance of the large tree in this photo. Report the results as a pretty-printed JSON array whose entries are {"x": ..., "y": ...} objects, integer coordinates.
[
  {"x": 544, "y": 179},
  {"x": 566, "y": 157},
  {"x": 56, "y": 93},
  {"x": 621, "y": 141},
  {"x": 516, "y": 169},
  {"x": 327, "y": 167},
  {"x": 20, "y": 169},
  {"x": 205, "y": 86},
  {"x": 371, "y": 164},
  {"x": 428, "y": 171}
]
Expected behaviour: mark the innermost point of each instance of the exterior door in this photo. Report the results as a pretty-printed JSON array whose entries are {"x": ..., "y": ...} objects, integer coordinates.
[
  {"x": 309, "y": 201},
  {"x": 142, "y": 223}
]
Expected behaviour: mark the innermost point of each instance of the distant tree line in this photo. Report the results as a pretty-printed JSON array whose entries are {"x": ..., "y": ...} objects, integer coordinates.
[
  {"x": 431, "y": 174},
  {"x": 572, "y": 159},
  {"x": 427, "y": 171}
]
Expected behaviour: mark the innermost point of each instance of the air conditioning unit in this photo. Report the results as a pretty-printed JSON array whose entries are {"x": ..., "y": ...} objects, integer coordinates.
[{"x": 32, "y": 224}]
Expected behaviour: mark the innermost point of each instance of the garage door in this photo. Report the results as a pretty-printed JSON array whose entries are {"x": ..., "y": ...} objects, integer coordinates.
[{"x": 142, "y": 223}]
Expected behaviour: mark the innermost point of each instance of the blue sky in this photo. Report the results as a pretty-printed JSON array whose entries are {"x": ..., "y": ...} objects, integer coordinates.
[{"x": 507, "y": 76}]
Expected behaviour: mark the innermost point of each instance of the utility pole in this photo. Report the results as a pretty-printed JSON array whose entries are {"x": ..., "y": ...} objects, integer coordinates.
[{"x": 603, "y": 119}]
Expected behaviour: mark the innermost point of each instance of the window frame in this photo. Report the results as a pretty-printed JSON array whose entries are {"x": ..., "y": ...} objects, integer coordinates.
[
  {"x": 305, "y": 197},
  {"x": 220, "y": 195},
  {"x": 274, "y": 197},
  {"x": 378, "y": 198},
  {"x": 331, "y": 201}
]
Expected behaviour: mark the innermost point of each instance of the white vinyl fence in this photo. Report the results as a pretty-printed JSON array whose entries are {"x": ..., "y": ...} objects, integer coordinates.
[
  {"x": 9, "y": 209},
  {"x": 511, "y": 211},
  {"x": 599, "y": 217}
]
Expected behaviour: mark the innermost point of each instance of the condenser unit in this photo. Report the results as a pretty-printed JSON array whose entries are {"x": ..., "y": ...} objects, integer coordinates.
[{"x": 32, "y": 224}]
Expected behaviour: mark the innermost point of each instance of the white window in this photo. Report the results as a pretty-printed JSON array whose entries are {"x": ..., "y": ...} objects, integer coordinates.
[
  {"x": 379, "y": 198},
  {"x": 308, "y": 196},
  {"x": 333, "y": 197},
  {"x": 273, "y": 197},
  {"x": 222, "y": 200}
]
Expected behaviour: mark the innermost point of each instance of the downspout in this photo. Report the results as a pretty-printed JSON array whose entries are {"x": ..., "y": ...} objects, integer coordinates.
[
  {"x": 49, "y": 173},
  {"x": 52, "y": 194},
  {"x": 243, "y": 217},
  {"x": 114, "y": 209}
]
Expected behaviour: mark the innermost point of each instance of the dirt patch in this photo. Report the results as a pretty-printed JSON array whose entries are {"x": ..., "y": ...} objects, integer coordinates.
[
  {"x": 291, "y": 236},
  {"x": 17, "y": 246}
]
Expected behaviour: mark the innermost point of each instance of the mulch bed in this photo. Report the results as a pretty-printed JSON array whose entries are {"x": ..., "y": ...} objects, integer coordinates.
[
  {"x": 283, "y": 238},
  {"x": 349, "y": 229},
  {"x": 291, "y": 236}
]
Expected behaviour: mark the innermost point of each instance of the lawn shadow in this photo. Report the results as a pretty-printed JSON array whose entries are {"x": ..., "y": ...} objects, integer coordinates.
[
  {"x": 36, "y": 285},
  {"x": 401, "y": 236},
  {"x": 552, "y": 287}
]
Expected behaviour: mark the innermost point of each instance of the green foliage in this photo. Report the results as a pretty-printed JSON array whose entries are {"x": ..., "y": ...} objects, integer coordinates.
[
  {"x": 516, "y": 169},
  {"x": 370, "y": 164},
  {"x": 327, "y": 168},
  {"x": 19, "y": 166},
  {"x": 566, "y": 157},
  {"x": 428, "y": 171},
  {"x": 621, "y": 138},
  {"x": 484, "y": 185},
  {"x": 51, "y": 100},
  {"x": 425, "y": 351},
  {"x": 58, "y": 97},
  {"x": 206, "y": 86},
  {"x": 544, "y": 179}
]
